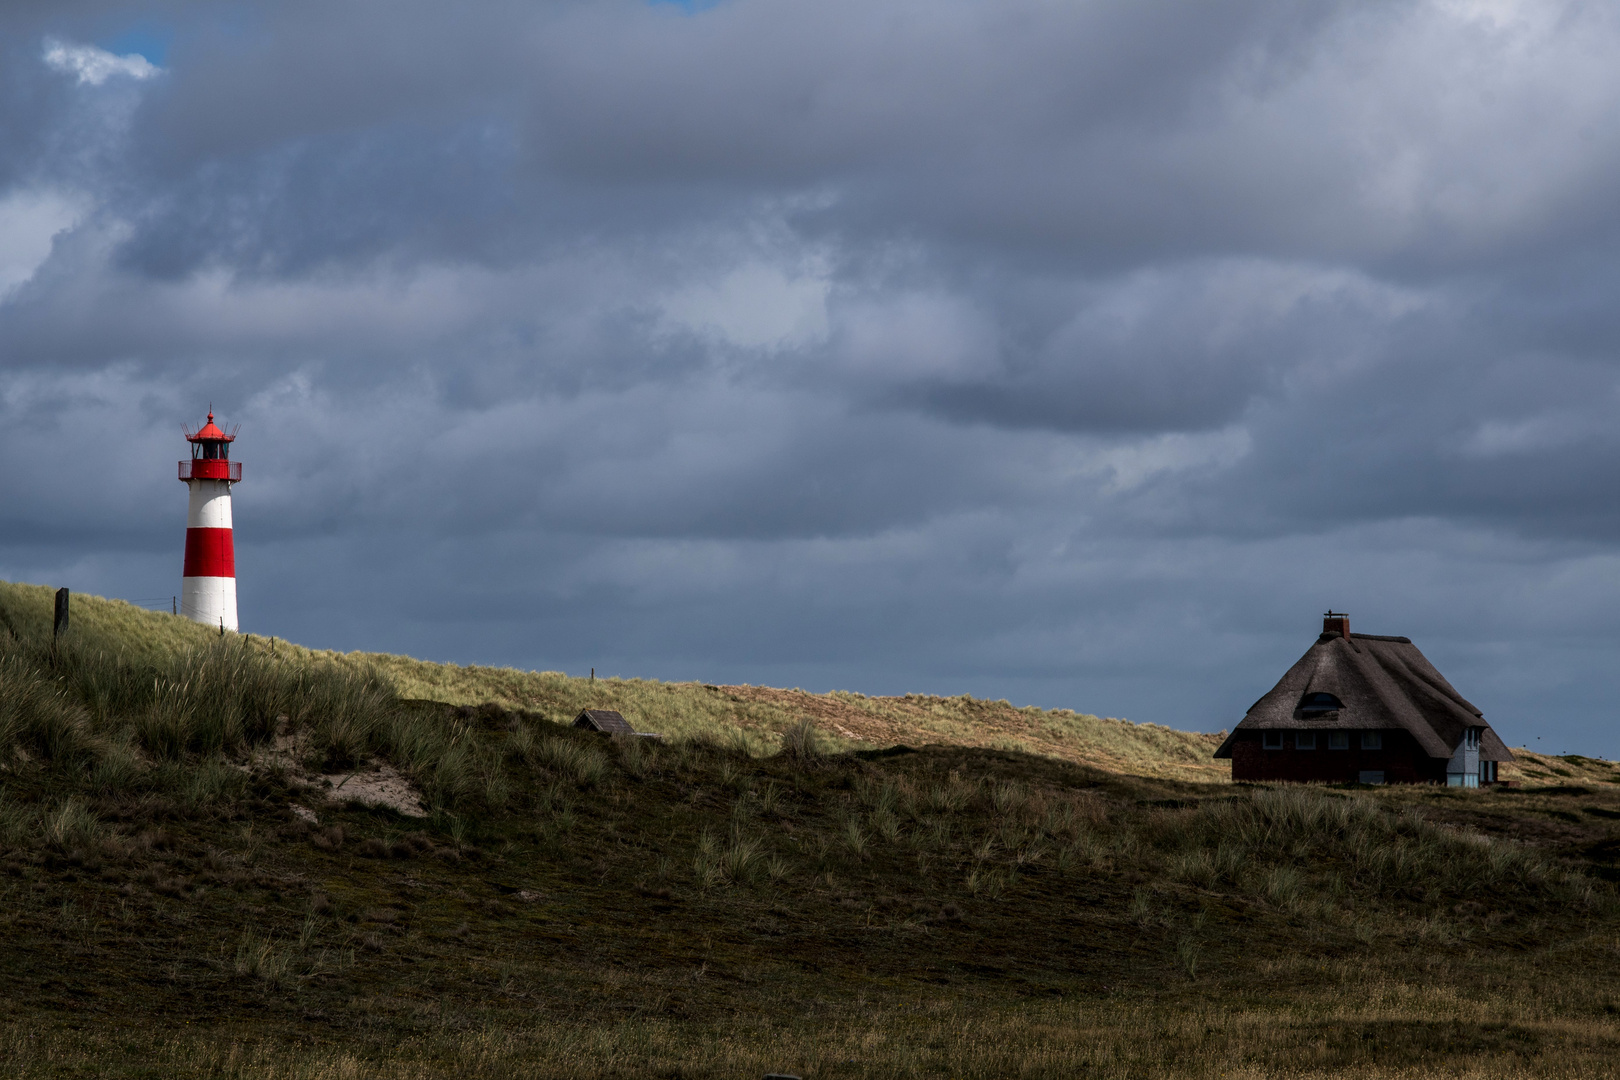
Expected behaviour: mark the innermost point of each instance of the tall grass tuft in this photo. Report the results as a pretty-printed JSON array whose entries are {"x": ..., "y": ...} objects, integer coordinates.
[
  {"x": 451, "y": 775},
  {"x": 258, "y": 958},
  {"x": 36, "y": 714},
  {"x": 210, "y": 696},
  {"x": 164, "y": 726},
  {"x": 70, "y": 824},
  {"x": 854, "y": 837},
  {"x": 739, "y": 857},
  {"x": 584, "y": 765},
  {"x": 635, "y": 756},
  {"x": 1008, "y": 797},
  {"x": 802, "y": 743},
  {"x": 949, "y": 796},
  {"x": 16, "y": 820}
]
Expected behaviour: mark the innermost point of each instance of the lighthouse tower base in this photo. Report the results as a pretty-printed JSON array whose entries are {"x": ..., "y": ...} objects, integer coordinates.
[
  {"x": 210, "y": 600},
  {"x": 208, "y": 589}
]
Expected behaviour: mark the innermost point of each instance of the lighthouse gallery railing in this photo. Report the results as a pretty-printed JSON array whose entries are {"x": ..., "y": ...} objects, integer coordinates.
[{"x": 210, "y": 469}]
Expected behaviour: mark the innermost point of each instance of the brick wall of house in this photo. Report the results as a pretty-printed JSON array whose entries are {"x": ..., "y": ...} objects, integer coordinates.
[{"x": 1401, "y": 760}]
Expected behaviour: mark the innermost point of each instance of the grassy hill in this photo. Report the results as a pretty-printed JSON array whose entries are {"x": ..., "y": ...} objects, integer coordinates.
[
  {"x": 753, "y": 717},
  {"x": 758, "y": 715},
  {"x": 198, "y": 878}
]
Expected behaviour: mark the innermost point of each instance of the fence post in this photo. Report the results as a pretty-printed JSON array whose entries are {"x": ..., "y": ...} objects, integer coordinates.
[{"x": 61, "y": 614}]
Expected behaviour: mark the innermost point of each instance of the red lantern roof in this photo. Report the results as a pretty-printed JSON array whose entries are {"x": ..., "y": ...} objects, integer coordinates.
[{"x": 209, "y": 433}]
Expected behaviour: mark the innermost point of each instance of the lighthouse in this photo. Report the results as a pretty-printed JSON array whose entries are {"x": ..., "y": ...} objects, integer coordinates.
[{"x": 208, "y": 589}]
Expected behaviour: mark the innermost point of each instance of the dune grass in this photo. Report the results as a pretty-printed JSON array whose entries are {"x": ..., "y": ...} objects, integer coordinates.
[
  {"x": 760, "y": 716},
  {"x": 776, "y": 887},
  {"x": 125, "y": 677},
  {"x": 634, "y": 908},
  {"x": 137, "y": 700},
  {"x": 113, "y": 646}
]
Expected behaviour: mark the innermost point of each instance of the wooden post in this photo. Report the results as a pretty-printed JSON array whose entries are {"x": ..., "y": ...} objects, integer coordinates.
[
  {"x": 61, "y": 614},
  {"x": 174, "y": 605}
]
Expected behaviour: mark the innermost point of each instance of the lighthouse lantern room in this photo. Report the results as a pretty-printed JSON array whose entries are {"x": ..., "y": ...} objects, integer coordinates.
[{"x": 208, "y": 589}]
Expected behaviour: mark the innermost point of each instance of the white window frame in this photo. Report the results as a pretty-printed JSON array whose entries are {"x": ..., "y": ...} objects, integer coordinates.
[
  {"x": 1271, "y": 740},
  {"x": 1304, "y": 740},
  {"x": 1372, "y": 740},
  {"x": 1338, "y": 740}
]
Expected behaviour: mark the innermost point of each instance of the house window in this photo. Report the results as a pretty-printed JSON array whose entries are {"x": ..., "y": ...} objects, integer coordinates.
[
  {"x": 1375, "y": 776},
  {"x": 1372, "y": 740},
  {"x": 1338, "y": 740},
  {"x": 1471, "y": 738},
  {"x": 1271, "y": 740},
  {"x": 1305, "y": 740}
]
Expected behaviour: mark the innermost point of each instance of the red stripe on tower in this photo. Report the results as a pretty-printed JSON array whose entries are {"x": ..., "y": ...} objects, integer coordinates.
[
  {"x": 208, "y": 585},
  {"x": 210, "y": 553}
]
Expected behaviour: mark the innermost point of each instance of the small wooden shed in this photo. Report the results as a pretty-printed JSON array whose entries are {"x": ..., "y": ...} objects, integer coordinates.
[{"x": 607, "y": 721}]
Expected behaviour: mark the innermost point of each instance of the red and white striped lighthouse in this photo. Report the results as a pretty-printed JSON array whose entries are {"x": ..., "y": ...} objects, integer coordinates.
[{"x": 208, "y": 590}]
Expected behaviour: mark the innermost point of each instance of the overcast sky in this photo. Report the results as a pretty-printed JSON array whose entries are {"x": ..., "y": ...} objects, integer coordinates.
[{"x": 1077, "y": 353}]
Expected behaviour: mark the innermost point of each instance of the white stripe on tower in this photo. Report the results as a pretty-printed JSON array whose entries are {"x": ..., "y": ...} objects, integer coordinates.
[{"x": 208, "y": 590}]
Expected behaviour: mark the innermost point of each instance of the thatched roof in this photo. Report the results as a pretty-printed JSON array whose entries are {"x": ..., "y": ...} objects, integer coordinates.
[
  {"x": 1364, "y": 681},
  {"x": 604, "y": 720}
]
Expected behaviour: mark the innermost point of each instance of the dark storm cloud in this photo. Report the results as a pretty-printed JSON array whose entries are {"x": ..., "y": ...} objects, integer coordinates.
[{"x": 1077, "y": 353}]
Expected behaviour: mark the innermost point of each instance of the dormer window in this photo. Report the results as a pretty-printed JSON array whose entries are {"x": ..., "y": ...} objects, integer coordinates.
[{"x": 1316, "y": 705}]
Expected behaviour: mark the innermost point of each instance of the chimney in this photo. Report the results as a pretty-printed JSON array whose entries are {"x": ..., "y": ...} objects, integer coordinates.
[{"x": 1336, "y": 622}]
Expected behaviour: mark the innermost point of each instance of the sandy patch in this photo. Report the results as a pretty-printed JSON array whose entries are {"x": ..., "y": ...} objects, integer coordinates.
[{"x": 382, "y": 786}]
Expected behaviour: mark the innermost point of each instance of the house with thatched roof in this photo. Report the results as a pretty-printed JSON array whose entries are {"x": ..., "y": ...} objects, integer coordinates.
[{"x": 1362, "y": 708}]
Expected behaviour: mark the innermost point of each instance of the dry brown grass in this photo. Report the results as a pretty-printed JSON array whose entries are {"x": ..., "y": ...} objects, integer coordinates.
[
  {"x": 1367, "y": 1029},
  {"x": 846, "y": 720}
]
